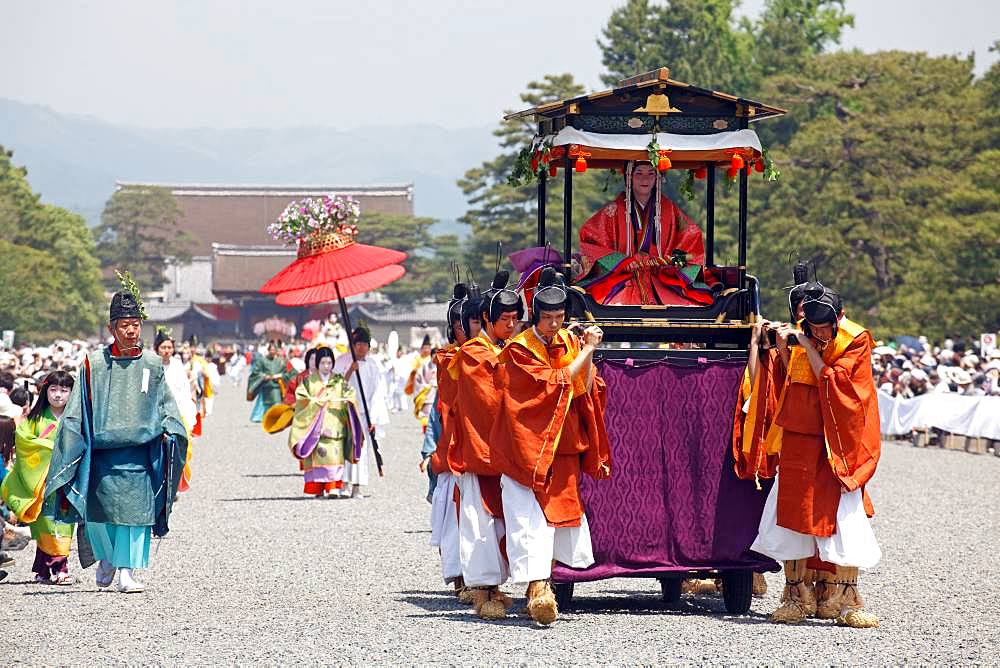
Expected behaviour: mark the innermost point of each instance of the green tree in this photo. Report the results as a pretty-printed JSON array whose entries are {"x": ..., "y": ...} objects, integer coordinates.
[
  {"x": 499, "y": 211},
  {"x": 139, "y": 232},
  {"x": 70, "y": 274},
  {"x": 869, "y": 184},
  {"x": 790, "y": 32},
  {"x": 428, "y": 274},
  {"x": 699, "y": 40}
]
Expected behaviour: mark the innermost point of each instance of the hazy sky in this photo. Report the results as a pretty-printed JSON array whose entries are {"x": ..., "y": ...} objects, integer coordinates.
[{"x": 455, "y": 63}]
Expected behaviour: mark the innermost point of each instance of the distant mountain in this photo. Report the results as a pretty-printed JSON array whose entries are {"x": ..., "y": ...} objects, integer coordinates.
[{"x": 74, "y": 161}]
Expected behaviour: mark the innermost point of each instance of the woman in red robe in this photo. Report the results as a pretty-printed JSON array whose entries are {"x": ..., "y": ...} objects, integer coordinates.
[{"x": 641, "y": 248}]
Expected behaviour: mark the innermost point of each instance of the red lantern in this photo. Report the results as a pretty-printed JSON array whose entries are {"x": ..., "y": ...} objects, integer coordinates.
[
  {"x": 552, "y": 171},
  {"x": 700, "y": 173},
  {"x": 737, "y": 161},
  {"x": 759, "y": 166},
  {"x": 732, "y": 172},
  {"x": 534, "y": 163},
  {"x": 581, "y": 165}
]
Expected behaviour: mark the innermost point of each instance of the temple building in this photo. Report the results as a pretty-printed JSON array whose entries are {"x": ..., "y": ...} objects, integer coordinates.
[{"x": 216, "y": 294}]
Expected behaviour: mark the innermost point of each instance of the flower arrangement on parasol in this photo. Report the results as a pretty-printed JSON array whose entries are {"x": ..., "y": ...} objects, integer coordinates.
[{"x": 330, "y": 264}]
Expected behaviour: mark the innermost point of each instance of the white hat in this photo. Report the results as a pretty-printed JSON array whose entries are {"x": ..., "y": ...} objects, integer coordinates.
[
  {"x": 918, "y": 374},
  {"x": 994, "y": 354},
  {"x": 992, "y": 364},
  {"x": 928, "y": 360},
  {"x": 886, "y": 387},
  {"x": 8, "y": 408},
  {"x": 957, "y": 375},
  {"x": 884, "y": 350}
]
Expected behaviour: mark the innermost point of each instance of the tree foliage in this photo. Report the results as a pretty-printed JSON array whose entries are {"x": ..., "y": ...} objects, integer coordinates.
[
  {"x": 139, "y": 232},
  {"x": 881, "y": 178},
  {"x": 501, "y": 212},
  {"x": 704, "y": 43},
  {"x": 51, "y": 280},
  {"x": 887, "y": 160},
  {"x": 428, "y": 273}
]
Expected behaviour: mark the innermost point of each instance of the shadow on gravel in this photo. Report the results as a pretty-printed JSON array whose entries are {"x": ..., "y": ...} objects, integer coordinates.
[
  {"x": 272, "y": 475},
  {"x": 417, "y": 531},
  {"x": 433, "y": 602},
  {"x": 63, "y": 592},
  {"x": 275, "y": 498}
]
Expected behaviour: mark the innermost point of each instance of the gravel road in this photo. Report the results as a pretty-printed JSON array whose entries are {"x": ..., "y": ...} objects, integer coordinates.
[{"x": 254, "y": 572}]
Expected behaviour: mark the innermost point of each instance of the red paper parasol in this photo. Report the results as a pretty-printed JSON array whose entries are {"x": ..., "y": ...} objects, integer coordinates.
[
  {"x": 325, "y": 258},
  {"x": 354, "y": 285}
]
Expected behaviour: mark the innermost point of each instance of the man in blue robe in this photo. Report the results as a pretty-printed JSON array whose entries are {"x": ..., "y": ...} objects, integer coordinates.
[{"x": 119, "y": 451}]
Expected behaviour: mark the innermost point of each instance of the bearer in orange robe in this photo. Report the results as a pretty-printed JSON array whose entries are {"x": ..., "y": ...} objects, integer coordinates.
[
  {"x": 641, "y": 248},
  {"x": 444, "y": 510},
  {"x": 550, "y": 429},
  {"x": 826, "y": 434},
  {"x": 477, "y": 403}
]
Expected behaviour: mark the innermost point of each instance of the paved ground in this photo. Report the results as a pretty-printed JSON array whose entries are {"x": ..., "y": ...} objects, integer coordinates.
[{"x": 253, "y": 572}]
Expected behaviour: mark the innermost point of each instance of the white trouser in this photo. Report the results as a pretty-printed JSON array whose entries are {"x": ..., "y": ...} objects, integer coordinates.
[
  {"x": 357, "y": 474},
  {"x": 479, "y": 535},
  {"x": 532, "y": 544},
  {"x": 444, "y": 526},
  {"x": 852, "y": 544}
]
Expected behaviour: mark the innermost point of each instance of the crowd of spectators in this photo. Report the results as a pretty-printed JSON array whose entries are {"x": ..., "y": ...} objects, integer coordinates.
[{"x": 912, "y": 367}]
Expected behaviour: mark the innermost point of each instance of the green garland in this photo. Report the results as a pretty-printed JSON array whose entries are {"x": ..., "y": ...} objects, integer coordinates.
[{"x": 129, "y": 285}]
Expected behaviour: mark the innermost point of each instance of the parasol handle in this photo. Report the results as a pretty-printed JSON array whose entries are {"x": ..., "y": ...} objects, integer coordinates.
[{"x": 361, "y": 387}]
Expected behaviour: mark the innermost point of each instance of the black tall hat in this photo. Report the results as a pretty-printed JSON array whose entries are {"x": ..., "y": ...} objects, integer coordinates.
[
  {"x": 361, "y": 335},
  {"x": 458, "y": 295},
  {"x": 500, "y": 299},
  {"x": 800, "y": 276},
  {"x": 550, "y": 293},
  {"x": 124, "y": 305},
  {"x": 820, "y": 304},
  {"x": 426, "y": 341},
  {"x": 471, "y": 305}
]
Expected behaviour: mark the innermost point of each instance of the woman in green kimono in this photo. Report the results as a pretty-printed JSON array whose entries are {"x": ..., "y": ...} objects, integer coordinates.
[
  {"x": 23, "y": 489},
  {"x": 326, "y": 431},
  {"x": 266, "y": 385}
]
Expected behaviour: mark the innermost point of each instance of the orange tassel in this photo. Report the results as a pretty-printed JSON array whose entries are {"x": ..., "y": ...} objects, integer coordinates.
[
  {"x": 581, "y": 165},
  {"x": 737, "y": 161},
  {"x": 700, "y": 173},
  {"x": 552, "y": 170}
]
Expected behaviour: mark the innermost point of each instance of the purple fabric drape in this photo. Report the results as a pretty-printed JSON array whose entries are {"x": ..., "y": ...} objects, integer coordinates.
[
  {"x": 673, "y": 502},
  {"x": 309, "y": 442}
]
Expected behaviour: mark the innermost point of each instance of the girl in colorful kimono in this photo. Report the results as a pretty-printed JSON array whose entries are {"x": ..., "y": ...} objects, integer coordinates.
[
  {"x": 326, "y": 432},
  {"x": 181, "y": 388},
  {"x": 23, "y": 489}
]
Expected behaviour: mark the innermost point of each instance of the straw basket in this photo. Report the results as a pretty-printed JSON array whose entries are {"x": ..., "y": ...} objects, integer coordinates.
[
  {"x": 921, "y": 438},
  {"x": 952, "y": 441},
  {"x": 976, "y": 445}
]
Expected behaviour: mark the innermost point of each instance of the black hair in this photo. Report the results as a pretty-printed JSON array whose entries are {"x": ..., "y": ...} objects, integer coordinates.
[
  {"x": 6, "y": 381},
  {"x": 470, "y": 310},
  {"x": 499, "y": 300},
  {"x": 60, "y": 378},
  {"x": 20, "y": 396},
  {"x": 310, "y": 354},
  {"x": 322, "y": 354},
  {"x": 550, "y": 294},
  {"x": 7, "y": 429}
]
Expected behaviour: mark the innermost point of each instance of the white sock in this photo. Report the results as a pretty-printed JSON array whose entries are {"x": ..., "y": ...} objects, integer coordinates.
[{"x": 125, "y": 577}]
